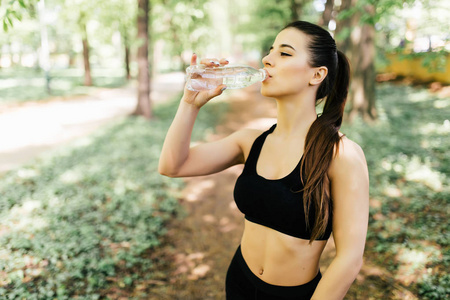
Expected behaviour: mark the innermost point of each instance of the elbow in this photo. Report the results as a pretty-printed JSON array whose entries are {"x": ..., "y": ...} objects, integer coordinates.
[
  {"x": 166, "y": 171},
  {"x": 353, "y": 264},
  {"x": 356, "y": 265}
]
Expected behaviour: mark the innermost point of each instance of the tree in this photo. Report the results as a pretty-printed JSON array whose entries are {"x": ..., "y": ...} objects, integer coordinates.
[
  {"x": 327, "y": 14},
  {"x": 143, "y": 107},
  {"x": 356, "y": 38},
  {"x": 119, "y": 16},
  {"x": 182, "y": 25},
  {"x": 82, "y": 20}
]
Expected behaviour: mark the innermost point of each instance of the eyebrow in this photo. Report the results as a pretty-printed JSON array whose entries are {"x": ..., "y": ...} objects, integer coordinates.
[{"x": 284, "y": 46}]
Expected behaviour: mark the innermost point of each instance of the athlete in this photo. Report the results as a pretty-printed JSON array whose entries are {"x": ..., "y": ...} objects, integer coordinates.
[{"x": 302, "y": 179}]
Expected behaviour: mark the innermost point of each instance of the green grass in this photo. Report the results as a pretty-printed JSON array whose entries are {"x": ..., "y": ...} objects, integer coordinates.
[
  {"x": 91, "y": 212},
  {"x": 407, "y": 152},
  {"x": 19, "y": 85},
  {"x": 71, "y": 222}
]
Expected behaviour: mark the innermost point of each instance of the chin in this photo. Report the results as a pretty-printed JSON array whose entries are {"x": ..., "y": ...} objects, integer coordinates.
[
  {"x": 265, "y": 91},
  {"x": 268, "y": 92}
]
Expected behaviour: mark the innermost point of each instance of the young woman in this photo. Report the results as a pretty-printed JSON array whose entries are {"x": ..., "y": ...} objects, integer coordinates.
[{"x": 302, "y": 178}]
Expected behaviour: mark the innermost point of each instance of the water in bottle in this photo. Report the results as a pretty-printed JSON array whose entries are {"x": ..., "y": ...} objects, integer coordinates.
[{"x": 201, "y": 78}]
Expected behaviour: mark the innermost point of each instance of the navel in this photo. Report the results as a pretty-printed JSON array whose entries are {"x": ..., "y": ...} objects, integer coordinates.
[{"x": 261, "y": 271}]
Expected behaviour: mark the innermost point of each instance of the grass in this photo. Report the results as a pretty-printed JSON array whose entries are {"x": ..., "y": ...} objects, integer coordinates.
[
  {"x": 87, "y": 218},
  {"x": 407, "y": 152},
  {"x": 18, "y": 85}
]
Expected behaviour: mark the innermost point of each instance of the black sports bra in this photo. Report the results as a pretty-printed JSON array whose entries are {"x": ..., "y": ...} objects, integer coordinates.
[{"x": 274, "y": 203}]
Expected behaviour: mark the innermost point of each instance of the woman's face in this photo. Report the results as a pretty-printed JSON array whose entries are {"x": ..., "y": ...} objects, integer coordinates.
[{"x": 287, "y": 65}]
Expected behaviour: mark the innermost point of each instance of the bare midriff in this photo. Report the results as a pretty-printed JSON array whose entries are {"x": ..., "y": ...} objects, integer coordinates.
[{"x": 280, "y": 259}]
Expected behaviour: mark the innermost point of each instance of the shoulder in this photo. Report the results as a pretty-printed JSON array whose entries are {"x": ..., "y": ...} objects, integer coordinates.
[
  {"x": 348, "y": 159},
  {"x": 245, "y": 138}
]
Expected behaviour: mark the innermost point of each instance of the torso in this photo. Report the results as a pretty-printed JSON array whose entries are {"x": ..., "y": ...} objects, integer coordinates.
[{"x": 273, "y": 256}]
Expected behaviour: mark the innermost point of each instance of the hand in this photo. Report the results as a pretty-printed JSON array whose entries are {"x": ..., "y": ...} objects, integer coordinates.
[{"x": 198, "y": 99}]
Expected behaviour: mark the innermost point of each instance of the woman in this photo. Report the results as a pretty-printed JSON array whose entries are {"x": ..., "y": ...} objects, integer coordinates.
[{"x": 289, "y": 214}]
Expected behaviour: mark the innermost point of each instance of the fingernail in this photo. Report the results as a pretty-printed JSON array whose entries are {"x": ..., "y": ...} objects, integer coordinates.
[{"x": 223, "y": 89}]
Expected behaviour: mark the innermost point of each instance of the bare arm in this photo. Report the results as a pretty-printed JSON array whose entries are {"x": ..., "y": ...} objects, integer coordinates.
[
  {"x": 350, "y": 193},
  {"x": 177, "y": 158}
]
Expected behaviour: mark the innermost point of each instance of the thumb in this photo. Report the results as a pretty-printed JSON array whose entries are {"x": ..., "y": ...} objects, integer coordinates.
[{"x": 217, "y": 91}]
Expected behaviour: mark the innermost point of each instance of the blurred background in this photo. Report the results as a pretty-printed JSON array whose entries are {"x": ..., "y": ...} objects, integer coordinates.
[{"x": 89, "y": 88}]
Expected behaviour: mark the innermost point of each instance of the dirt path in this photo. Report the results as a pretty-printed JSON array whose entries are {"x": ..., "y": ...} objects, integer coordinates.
[
  {"x": 202, "y": 244},
  {"x": 30, "y": 129}
]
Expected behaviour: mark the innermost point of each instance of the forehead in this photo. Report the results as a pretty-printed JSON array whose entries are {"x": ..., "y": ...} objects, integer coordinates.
[{"x": 293, "y": 37}]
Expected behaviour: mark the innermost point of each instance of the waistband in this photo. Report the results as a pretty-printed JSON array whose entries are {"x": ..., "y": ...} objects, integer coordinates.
[{"x": 303, "y": 290}]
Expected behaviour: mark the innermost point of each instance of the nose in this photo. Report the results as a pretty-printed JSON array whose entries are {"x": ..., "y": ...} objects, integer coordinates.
[{"x": 267, "y": 60}]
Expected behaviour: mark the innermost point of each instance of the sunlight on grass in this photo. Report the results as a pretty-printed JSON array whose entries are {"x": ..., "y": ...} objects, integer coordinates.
[
  {"x": 443, "y": 103},
  {"x": 418, "y": 171},
  {"x": 26, "y": 173},
  {"x": 71, "y": 176},
  {"x": 435, "y": 128},
  {"x": 419, "y": 96}
]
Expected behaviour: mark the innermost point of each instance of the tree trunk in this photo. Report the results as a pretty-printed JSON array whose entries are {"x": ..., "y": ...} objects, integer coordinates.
[
  {"x": 359, "y": 47},
  {"x": 126, "y": 45},
  {"x": 127, "y": 61},
  {"x": 143, "y": 107},
  {"x": 296, "y": 9},
  {"x": 87, "y": 65},
  {"x": 327, "y": 14}
]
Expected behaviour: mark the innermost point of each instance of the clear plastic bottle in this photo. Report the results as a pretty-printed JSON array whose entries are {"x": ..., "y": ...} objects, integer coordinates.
[{"x": 201, "y": 78}]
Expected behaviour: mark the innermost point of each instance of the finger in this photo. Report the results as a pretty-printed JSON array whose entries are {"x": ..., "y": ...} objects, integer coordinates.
[
  {"x": 194, "y": 59},
  {"x": 224, "y": 61},
  {"x": 217, "y": 91},
  {"x": 210, "y": 62}
]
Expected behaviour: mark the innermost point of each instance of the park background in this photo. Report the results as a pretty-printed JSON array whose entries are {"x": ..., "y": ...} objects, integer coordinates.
[{"x": 89, "y": 88}]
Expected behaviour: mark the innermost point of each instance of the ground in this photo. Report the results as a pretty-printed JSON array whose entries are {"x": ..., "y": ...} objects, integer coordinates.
[
  {"x": 194, "y": 256},
  {"x": 200, "y": 245}
]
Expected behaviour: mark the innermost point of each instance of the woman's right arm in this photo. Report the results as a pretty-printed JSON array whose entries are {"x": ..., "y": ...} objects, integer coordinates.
[{"x": 178, "y": 159}]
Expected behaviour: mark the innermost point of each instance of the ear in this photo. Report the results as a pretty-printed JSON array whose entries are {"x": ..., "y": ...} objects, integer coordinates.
[{"x": 319, "y": 75}]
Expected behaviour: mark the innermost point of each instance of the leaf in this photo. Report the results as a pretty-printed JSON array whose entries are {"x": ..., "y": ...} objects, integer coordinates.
[
  {"x": 22, "y": 3},
  {"x": 17, "y": 15}
]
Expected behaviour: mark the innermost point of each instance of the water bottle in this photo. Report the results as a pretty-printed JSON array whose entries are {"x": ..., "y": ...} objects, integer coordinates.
[{"x": 201, "y": 78}]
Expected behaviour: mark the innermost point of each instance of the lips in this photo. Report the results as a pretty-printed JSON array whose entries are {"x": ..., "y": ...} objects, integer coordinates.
[{"x": 268, "y": 74}]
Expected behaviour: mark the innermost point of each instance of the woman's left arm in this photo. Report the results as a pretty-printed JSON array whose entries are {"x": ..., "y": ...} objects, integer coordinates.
[{"x": 349, "y": 180}]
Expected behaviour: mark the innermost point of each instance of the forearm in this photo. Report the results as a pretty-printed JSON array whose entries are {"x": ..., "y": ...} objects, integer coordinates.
[
  {"x": 337, "y": 279},
  {"x": 176, "y": 146}
]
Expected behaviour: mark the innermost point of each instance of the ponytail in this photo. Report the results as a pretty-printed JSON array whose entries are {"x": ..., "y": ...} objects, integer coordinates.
[
  {"x": 322, "y": 138},
  {"x": 323, "y": 135}
]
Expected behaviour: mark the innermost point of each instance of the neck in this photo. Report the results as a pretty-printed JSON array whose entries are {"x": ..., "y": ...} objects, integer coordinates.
[{"x": 295, "y": 115}]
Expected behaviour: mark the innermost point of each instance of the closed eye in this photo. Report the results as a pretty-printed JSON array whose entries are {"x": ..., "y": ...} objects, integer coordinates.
[{"x": 285, "y": 54}]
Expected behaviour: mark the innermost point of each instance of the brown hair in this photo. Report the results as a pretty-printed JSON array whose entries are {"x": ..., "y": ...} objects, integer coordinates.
[{"x": 323, "y": 135}]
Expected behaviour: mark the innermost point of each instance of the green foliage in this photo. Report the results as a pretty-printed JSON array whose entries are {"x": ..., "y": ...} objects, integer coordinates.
[
  {"x": 409, "y": 166},
  {"x": 89, "y": 213},
  {"x": 183, "y": 25},
  {"x": 435, "y": 287},
  {"x": 14, "y": 10}
]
